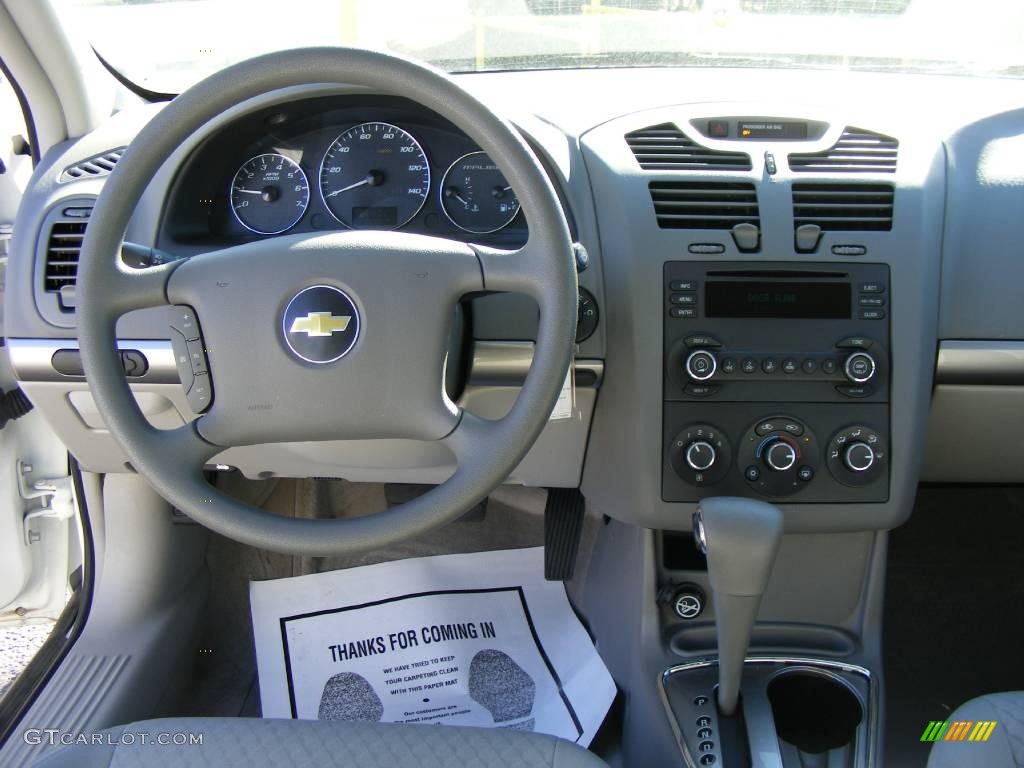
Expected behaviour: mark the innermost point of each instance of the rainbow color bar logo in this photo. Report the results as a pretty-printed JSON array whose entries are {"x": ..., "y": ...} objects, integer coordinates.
[{"x": 958, "y": 730}]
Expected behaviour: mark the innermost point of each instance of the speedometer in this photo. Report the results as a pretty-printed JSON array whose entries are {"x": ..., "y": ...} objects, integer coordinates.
[{"x": 374, "y": 176}]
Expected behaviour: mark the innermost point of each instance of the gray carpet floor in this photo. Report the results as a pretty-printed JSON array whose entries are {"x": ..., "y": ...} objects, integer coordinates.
[{"x": 954, "y": 627}]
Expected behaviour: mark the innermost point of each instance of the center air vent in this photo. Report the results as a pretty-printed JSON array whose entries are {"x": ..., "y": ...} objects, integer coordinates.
[
  {"x": 844, "y": 207},
  {"x": 704, "y": 204},
  {"x": 666, "y": 148},
  {"x": 857, "y": 151},
  {"x": 94, "y": 167}
]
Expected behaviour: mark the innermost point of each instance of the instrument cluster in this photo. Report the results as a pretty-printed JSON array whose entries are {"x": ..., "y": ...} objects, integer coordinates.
[{"x": 353, "y": 162}]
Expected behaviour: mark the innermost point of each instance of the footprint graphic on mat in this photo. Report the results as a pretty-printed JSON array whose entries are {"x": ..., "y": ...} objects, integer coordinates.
[
  {"x": 503, "y": 688},
  {"x": 347, "y": 696}
]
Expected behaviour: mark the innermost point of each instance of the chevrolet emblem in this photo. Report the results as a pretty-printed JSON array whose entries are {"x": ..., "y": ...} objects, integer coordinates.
[{"x": 320, "y": 324}]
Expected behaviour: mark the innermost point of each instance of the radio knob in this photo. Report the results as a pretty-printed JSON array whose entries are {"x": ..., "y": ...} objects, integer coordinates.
[
  {"x": 859, "y": 457},
  {"x": 701, "y": 365},
  {"x": 859, "y": 367},
  {"x": 700, "y": 456},
  {"x": 780, "y": 456}
]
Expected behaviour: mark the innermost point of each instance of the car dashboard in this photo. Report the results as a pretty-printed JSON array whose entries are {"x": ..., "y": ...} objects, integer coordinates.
[{"x": 783, "y": 292}]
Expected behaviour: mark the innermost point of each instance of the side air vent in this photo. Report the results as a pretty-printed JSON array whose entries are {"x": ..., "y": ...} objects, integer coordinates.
[
  {"x": 62, "y": 249},
  {"x": 666, "y": 148},
  {"x": 857, "y": 151},
  {"x": 94, "y": 167},
  {"x": 704, "y": 204},
  {"x": 844, "y": 207}
]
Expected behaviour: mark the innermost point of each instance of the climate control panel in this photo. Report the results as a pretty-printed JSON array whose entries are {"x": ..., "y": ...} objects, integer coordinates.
[{"x": 737, "y": 449}]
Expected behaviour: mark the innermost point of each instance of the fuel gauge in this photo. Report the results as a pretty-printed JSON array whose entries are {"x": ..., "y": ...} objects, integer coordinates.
[{"x": 476, "y": 196}]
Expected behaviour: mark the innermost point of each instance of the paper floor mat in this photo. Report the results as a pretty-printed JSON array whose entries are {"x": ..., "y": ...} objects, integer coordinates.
[{"x": 479, "y": 639}]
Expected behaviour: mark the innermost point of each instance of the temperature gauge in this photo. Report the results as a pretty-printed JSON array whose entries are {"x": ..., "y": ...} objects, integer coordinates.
[{"x": 476, "y": 196}]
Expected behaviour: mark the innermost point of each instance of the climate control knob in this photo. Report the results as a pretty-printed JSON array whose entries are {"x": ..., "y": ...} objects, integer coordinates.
[
  {"x": 859, "y": 367},
  {"x": 700, "y": 456},
  {"x": 859, "y": 457},
  {"x": 780, "y": 456},
  {"x": 701, "y": 365}
]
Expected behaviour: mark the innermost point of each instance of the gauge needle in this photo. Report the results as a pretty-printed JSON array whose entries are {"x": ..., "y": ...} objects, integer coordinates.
[
  {"x": 350, "y": 186},
  {"x": 451, "y": 192},
  {"x": 248, "y": 191}
]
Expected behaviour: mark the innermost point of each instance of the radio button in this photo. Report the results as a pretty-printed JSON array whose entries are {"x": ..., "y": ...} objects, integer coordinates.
[
  {"x": 702, "y": 341},
  {"x": 682, "y": 312},
  {"x": 854, "y": 342},
  {"x": 769, "y": 365},
  {"x": 789, "y": 366},
  {"x": 861, "y": 391},
  {"x": 859, "y": 367},
  {"x": 872, "y": 314},
  {"x": 872, "y": 288},
  {"x": 729, "y": 365},
  {"x": 810, "y": 366},
  {"x": 700, "y": 390},
  {"x": 749, "y": 365},
  {"x": 688, "y": 299},
  {"x": 829, "y": 367},
  {"x": 701, "y": 365},
  {"x": 871, "y": 301},
  {"x": 683, "y": 285}
]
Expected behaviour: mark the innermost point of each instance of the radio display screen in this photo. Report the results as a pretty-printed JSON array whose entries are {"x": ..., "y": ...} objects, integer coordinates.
[{"x": 771, "y": 299}]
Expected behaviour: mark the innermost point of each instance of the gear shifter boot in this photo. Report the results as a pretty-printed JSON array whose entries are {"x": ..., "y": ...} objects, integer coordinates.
[{"x": 740, "y": 538}]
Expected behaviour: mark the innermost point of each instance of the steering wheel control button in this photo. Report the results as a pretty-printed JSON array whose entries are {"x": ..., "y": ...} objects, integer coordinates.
[
  {"x": 184, "y": 322},
  {"x": 320, "y": 324},
  {"x": 700, "y": 454},
  {"x": 859, "y": 367},
  {"x": 201, "y": 394},
  {"x": 701, "y": 365},
  {"x": 586, "y": 315},
  {"x": 857, "y": 456},
  {"x": 197, "y": 357}
]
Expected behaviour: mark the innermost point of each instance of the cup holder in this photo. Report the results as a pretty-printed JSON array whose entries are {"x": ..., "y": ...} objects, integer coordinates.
[{"x": 814, "y": 712}]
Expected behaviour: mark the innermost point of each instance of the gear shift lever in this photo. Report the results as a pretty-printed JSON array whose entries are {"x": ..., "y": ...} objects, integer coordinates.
[{"x": 740, "y": 538}]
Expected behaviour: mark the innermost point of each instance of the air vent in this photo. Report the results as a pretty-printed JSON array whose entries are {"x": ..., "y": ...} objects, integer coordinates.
[
  {"x": 666, "y": 148},
  {"x": 704, "y": 204},
  {"x": 94, "y": 167},
  {"x": 857, "y": 151},
  {"x": 62, "y": 249},
  {"x": 843, "y": 207}
]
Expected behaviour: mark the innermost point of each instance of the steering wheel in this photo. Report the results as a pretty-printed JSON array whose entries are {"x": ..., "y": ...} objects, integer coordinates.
[{"x": 397, "y": 290}]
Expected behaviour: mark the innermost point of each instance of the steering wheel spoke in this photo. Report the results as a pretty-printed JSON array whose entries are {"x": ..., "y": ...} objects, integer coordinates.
[{"x": 131, "y": 288}]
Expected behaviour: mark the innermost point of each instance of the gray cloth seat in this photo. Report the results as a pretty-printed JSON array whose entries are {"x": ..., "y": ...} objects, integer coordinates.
[
  {"x": 256, "y": 743},
  {"x": 1003, "y": 749}
]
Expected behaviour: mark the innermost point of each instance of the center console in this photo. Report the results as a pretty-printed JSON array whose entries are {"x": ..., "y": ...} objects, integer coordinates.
[{"x": 776, "y": 381}]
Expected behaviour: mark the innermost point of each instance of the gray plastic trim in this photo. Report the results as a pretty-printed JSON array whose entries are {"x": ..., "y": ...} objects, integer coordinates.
[
  {"x": 980, "y": 362},
  {"x": 32, "y": 359},
  {"x": 507, "y": 363}
]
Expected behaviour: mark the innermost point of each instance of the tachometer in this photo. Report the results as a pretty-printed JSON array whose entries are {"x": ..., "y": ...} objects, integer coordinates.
[
  {"x": 476, "y": 196},
  {"x": 269, "y": 194},
  {"x": 374, "y": 176}
]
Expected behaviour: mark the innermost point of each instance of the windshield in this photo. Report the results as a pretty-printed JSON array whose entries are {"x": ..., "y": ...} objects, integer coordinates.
[{"x": 165, "y": 45}]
